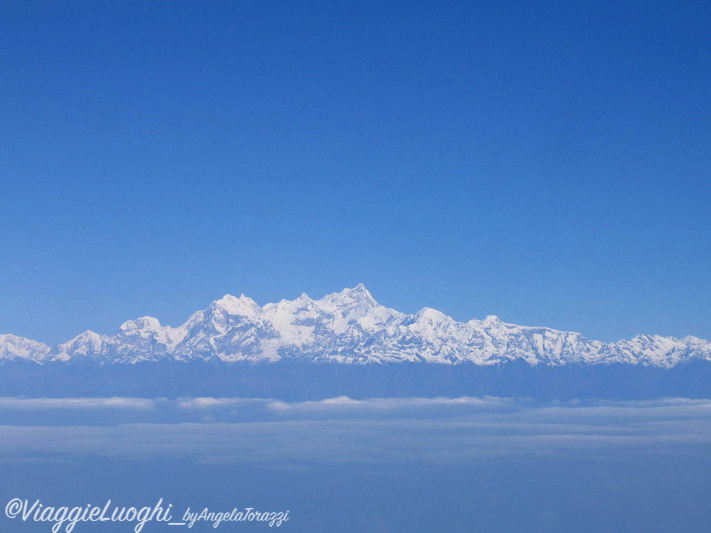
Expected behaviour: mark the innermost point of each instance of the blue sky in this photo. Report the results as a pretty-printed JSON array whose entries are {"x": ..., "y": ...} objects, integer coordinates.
[{"x": 547, "y": 162}]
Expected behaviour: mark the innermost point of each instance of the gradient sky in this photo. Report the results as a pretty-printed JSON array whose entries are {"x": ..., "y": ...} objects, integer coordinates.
[{"x": 544, "y": 161}]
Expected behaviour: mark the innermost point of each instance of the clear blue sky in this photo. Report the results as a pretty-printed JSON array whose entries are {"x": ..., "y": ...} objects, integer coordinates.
[{"x": 547, "y": 162}]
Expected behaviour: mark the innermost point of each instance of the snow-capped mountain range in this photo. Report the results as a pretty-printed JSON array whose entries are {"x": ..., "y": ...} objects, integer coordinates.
[{"x": 348, "y": 327}]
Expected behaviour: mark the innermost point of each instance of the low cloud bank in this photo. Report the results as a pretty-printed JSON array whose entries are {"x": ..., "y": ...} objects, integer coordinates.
[{"x": 341, "y": 430}]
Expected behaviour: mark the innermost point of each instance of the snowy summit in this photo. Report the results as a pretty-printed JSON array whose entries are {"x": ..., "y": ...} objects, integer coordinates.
[{"x": 348, "y": 327}]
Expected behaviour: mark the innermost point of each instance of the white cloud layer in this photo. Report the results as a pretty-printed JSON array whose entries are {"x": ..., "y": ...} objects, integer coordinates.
[
  {"x": 412, "y": 430},
  {"x": 10, "y": 403}
]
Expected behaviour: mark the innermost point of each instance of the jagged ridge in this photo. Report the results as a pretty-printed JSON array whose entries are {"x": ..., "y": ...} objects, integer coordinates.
[{"x": 348, "y": 327}]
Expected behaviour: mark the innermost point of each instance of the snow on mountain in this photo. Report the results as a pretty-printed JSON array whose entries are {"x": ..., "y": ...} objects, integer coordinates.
[
  {"x": 87, "y": 345},
  {"x": 226, "y": 330},
  {"x": 14, "y": 347},
  {"x": 349, "y": 327}
]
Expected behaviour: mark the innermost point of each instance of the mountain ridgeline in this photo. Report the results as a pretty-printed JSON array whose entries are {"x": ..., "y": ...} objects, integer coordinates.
[{"x": 348, "y": 327}]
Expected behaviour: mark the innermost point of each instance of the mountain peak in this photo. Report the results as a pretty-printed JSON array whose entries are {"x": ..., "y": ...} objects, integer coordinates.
[
  {"x": 431, "y": 316},
  {"x": 353, "y": 302},
  {"x": 144, "y": 322},
  {"x": 492, "y": 320},
  {"x": 360, "y": 293},
  {"x": 12, "y": 346},
  {"x": 243, "y": 305}
]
